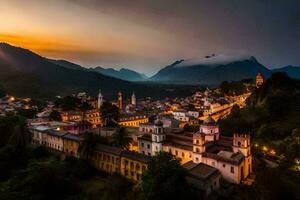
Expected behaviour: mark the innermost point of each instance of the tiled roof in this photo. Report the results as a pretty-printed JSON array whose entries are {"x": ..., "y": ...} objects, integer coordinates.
[
  {"x": 135, "y": 156},
  {"x": 109, "y": 149}
]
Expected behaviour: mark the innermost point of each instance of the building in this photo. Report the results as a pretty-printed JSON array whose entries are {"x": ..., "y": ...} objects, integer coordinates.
[
  {"x": 180, "y": 115},
  {"x": 91, "y": 116},
  {"x": 132, "y": 120},
  {"x": 203, "y": 177},
  {"x": 54, "y": 139},
  {"x": 99, "y": 100},
  {"x": 120, "y": 100},
  {"x": 106, "y": 158},
  {"x": 230, "y": 155},
  {"x": 259, "y": 80},
  {"x": 133, "y": 99},
  {"x": 133, "y": 165},
  {"x": 71, "y": 144}
]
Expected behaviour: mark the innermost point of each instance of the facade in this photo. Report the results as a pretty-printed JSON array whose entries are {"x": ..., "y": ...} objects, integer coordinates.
[
  {"x": 91, "y": 116},
  {"x": 71, "y": 145},
  {"x": 106, "y": 158},
  {"x": 133, "y": 165},
  {"x": 231, "y": 156},
  {"x": 132, "y": 120}
]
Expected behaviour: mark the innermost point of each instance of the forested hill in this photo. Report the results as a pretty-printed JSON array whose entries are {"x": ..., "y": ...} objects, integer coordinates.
[{"x": 272, "y": 111}]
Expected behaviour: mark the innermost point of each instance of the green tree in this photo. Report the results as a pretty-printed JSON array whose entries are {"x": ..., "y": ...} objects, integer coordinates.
[
  {"x": 109, "y": 114},
  {"x": 165, "y": 179},
  {"x": 89, "y": 144},
  {"x": 121, "y": 139},
  {"x": 55, "y": 116}
]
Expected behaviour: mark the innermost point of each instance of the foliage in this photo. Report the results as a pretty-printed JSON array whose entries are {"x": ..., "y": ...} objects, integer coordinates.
[
  {"x": 291, "y": 147},
  {"x": 109, "y": 114},
  {"x": 55, "y": 116},
  {"x": 165, "y": 179},
  {"x": 235, "y": 87},
  {"x": 272, "y": 111},
  {"x": 27, "y": 113},
  {"x": 121, "y": 139},
  {"x": 89, "y": 144}
]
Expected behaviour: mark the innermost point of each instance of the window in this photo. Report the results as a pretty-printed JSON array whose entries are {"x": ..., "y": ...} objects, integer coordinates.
[
  {"x": 182, "y": 154},
  {"x": 197, "y": 159},
  {"x": 224, "y": 165},
  {"x": 232, "y": 169},
  {"x": 213, "y": 163},
  {"x": 197, "y": 141},
  {"x": 148, "y": 146},
  {"x": 156, "y": 148},
  {"x": 197, "y": 150},
  {"x": 176, "y": 153},
  {"x": 142, "y": 144}
]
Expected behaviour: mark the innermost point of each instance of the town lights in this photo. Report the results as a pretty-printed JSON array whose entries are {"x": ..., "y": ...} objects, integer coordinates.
[
  {"x": 264, "y": 148},
  {"x": 272, "y": 151},
  {"x": 12, "y": 98}
]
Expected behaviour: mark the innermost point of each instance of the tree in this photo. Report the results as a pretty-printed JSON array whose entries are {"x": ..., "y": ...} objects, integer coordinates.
[
  {"x": 121, "y": 139},
  {"x": 55, "y": 116},
  {"x": 165, "y": 179},
  {"x": 89, "y": 144},
  {"x": 109, "y": 114},
  {"x": 20, "y": 136}
]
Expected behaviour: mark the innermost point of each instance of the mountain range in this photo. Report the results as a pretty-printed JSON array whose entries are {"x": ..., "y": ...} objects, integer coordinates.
[
  {"x": 25, "y": 73},
  {"x": 124, "y": 74}
]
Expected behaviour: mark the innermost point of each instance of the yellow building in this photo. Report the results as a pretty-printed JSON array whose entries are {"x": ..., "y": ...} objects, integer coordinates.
[
  {"x": 106, "y": 158},
  {"x": 133, "y": 120},
  {"x": 133, "y": 165},
  {"x": 182, "y": 152},
  {"x": 259, "y": 80},
  {"x": 71, "y": 144},
  {"x": 92, "y": 116}
]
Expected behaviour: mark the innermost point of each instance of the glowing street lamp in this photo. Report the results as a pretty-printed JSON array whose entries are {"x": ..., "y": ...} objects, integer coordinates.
[{"x": 265, "y": 148}]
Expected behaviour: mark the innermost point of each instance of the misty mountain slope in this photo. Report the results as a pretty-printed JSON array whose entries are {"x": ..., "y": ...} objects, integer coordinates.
[
  {"x": 21, "y": 68},
  {"x": 211, "y": 73},
  {"x": 125, "y": 74}
]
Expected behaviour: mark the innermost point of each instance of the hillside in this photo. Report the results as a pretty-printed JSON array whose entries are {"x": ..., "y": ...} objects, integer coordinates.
[
  {"x": 124, "y": 74},
  {"x": 211, "y": 73},
  {"x": 272, "y": 111},
  {"x": 292, "y": 71},
  {"x": 25, "y": 73}
]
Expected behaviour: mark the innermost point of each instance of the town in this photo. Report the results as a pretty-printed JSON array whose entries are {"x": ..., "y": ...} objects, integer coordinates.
[{"x": 186, "y": 127}]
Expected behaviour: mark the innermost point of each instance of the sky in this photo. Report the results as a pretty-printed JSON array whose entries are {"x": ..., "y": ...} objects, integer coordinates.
[{"x": 146, "y": 35}]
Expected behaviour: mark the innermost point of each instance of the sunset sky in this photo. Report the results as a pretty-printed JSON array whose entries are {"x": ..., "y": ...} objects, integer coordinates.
[{"x": 146, "y": 35}]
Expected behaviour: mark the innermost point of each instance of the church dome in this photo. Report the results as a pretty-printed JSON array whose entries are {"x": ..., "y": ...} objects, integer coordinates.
[{"x": 209, "y": 121}]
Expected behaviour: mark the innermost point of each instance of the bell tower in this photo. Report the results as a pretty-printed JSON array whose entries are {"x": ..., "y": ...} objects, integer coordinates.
[
  {"x": 198, "y": 147},
  {"x": 133, "y": 99},
  {"x": 100, "y": 100},
  {"x": 120, "y": 100},
  {"x": 157, "y": 137}
]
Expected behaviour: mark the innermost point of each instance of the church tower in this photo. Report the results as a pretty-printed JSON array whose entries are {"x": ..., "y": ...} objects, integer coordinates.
[
  {"x": 120, "y": 100},
  {"x": 100, "y": 100},
  {"x": 259, "y": 80},
  {"x": 198, "y": 147},
  {"x": 133, "y": 99},
  {"x": 157, "y": 137},
  {"x": 241, "y": 143}
]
